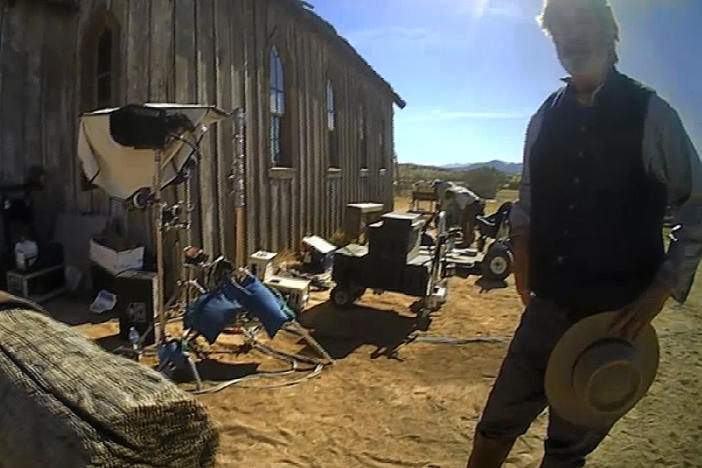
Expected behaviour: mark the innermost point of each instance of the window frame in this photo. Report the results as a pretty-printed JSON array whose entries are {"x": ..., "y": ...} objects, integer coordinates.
[
  {"x": 102, "y": 75},
  {"x": 333, "y": 160},
  {"x": 277, "y": 97},
  {"x": 103, "y": 22}
]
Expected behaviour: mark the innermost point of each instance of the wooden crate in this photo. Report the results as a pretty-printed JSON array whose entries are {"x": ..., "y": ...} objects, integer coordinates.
[{"x": 38, "y": 286}]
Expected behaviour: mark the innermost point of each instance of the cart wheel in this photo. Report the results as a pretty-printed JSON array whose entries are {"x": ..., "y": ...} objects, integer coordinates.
[
  {"x": 497, "y": 264},
  {"x": 342, "y": 296}
]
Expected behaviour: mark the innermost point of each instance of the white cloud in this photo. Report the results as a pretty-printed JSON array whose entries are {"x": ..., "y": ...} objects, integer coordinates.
[{"x": 438, "y": 115}]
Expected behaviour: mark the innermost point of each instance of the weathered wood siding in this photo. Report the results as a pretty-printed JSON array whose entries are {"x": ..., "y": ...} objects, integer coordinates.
[
  {"x": 309, "y": 198},
  {"x": 205, "y": 51}
]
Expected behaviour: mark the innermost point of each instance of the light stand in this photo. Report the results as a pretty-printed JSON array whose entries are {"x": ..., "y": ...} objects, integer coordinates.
[{"x": 157, "y": 206}]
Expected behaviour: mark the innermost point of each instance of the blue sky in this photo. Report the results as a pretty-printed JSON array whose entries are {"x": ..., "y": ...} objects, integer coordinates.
[{"x": 473, "y": 71}]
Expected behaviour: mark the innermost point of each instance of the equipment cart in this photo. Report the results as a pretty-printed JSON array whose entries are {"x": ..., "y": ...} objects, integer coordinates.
[{"x": 394, "y": 260}]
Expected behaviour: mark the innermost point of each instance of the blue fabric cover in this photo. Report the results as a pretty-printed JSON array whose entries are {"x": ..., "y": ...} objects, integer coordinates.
[
  {"x": 259, "y": 301},
  {"x": 210, "y": 314}
]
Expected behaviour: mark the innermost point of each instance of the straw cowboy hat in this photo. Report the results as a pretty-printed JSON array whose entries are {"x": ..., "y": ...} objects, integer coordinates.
[{"x": 593, "y": 379}]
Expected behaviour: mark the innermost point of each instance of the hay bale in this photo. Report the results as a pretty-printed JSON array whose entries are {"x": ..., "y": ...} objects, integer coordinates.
[{"x": 68, "y": 403}]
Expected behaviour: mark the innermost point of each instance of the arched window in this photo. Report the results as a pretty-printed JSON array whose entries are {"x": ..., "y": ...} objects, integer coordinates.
[
  {"x": 100, "y": 63},
  {"x": 331, "y": 127},
  {"x": 277, "y": 104},
  {"x": 105, "y": 69}
]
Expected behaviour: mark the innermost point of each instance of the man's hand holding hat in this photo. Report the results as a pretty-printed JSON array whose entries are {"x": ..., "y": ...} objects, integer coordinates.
[{"x": 632, "y": 319}]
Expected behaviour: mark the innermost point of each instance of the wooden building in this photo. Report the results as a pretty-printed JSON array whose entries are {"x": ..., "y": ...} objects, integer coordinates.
[{"x": 319, "y": 119}]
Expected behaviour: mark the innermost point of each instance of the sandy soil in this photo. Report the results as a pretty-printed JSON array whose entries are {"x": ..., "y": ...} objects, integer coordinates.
[{"x": 390, "y": 404}]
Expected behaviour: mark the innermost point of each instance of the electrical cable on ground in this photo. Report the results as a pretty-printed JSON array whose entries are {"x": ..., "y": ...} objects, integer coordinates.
[
  {"x": 264, "y": 349},
  {"x": 457, "y": 341},
  {"x": 293, "y": 359},
  {"x": 505, "y": 339}
]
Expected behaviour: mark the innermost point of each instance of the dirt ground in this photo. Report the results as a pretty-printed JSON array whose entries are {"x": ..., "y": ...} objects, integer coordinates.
[{"x": 387, "y": 403}]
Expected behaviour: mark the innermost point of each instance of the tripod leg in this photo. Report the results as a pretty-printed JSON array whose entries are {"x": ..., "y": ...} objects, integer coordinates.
[
  {"x": 311, "y": 341},
  {"x": 195, "y": 373}
]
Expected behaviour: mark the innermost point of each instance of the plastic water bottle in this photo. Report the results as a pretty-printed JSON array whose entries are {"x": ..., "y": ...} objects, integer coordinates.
[{"x": 134, "y": 340}]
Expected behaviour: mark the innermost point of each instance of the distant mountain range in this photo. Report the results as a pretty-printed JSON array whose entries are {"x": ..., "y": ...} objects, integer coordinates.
[{"x": 502, "y": 166}]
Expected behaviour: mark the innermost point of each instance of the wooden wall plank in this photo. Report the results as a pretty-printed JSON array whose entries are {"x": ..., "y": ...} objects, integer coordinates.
[
  {"x": 161, "y": 88},
  {"x": 67, "y": 127},
  {"x": 339, "y": 220},
  {"x": 58, "y": 89},
  {"x": 340, "y": 204},
  {"x": 329, "y": 208},
  {"x": 206, "y": 94},
  {"x": 274, "y": 241},
  {"x": 185, "y": 56},
  {"x": 300, "y": 114},
  {"x": 262, "y": 158},
  {"x": 351, "y": 174},
  {"x": 344, "y": 136},
  {"x": 307, "y": 122},
  {"x": 225, "y": 129},
  {"x": 285, "y": 203},
  {"x": 315, "y": 152},
  {"x": 319, "y": 155},
  {"x": 14, "y": 64},
  {"x": 252, "y": 117},
  {"x": 33, "y": 119},
  {"x": 83, "y": 199},
  {"x": 138, "y": 51},
  {"x": 238, "y": 45},
  {"x": 119, "y": 9},
  {"x": 99, "y": 201},
  {"x": 4, "y": 172},
  {"x": 136, "y": 76},
  {"x": 185, "y": 84},
  {"x": 161, "y": 54},
  {"x": 3, "y": 28}
]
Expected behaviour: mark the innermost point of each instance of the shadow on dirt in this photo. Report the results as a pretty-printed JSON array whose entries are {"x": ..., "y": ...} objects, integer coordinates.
[
  {"x": 487, "y": 285},
  {"x": 343, "y": 330}
]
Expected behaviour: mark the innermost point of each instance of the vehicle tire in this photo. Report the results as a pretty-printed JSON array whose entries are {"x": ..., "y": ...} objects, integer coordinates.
[
  {"x": 497, "y": 264},
  {"x": 342, "y": 296}
]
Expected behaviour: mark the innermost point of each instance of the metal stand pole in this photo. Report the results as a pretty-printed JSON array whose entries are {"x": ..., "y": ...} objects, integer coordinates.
[
  {"x": 237, "y": 177},
  {"x": 187, "y": 275},
  {"x": 158, "y": 226}
]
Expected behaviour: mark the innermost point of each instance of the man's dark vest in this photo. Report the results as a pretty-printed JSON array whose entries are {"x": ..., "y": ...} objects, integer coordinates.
[{"x": 596, "y": 215}]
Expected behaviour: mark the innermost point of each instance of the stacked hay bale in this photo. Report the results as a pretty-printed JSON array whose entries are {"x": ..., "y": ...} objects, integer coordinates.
[{"x": 67, "y": 403}]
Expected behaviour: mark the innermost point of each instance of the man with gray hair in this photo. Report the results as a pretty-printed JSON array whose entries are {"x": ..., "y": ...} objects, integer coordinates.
[{"x": 604, "y": 155}]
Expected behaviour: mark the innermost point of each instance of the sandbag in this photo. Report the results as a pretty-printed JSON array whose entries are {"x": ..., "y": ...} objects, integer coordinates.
[
  {"x": 259, "y": 301},
  {"x": 67, "y": 403}
]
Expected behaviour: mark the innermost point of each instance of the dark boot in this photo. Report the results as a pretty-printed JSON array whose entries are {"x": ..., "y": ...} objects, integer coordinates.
[{"x": 489, "y": 453}]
